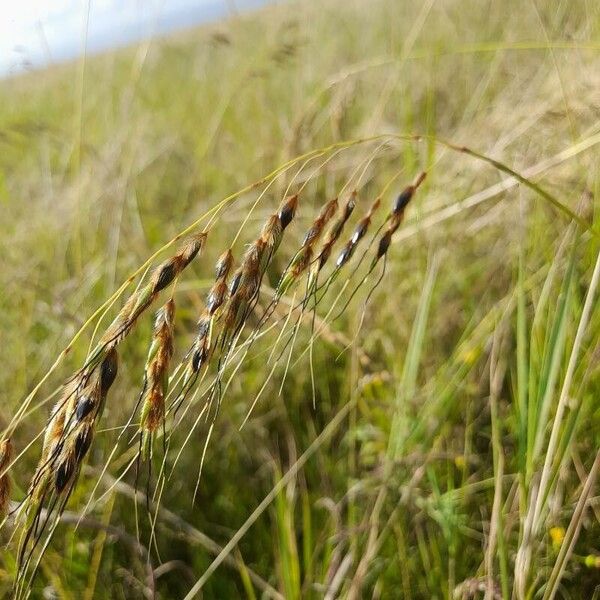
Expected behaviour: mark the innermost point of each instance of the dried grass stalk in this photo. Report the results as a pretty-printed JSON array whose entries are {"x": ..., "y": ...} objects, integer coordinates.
[{"x": 6, "y": 455}]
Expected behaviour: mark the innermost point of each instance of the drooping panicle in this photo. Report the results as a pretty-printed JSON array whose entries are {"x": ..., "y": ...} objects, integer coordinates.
[
  {"x": 71, "y": 425},
  {"x": 70, "y": 430}
]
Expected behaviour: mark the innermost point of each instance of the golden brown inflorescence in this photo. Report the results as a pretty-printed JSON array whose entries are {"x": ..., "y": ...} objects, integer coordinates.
[
  {"x": 218, "y": 294},
  {"x": 231, "y": 299},
  {"x": 156, "y": 374},
  {"x": 396, "y": 217},
  {"x": 161, "y": 277},
  {"x": 304, "y": 257},
  {"x": 80, "y": 425},
  {"x": 70, "y": 429},
  {"x": 359, "y": 233},
  {"x": 245, "y": 283},
  {"x": 335, "y": 231}
]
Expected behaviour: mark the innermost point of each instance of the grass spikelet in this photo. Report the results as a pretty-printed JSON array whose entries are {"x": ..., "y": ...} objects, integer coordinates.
[
  {"x": 80, "y": 427},
  {"x": 217, "y": 295},
  {"x": 6, "y": 454},
  {"x": 156, "y": 375},
  {"x": 139, "y": 301},
  {"x": 245, "y": 286},
  {"x": 69, "y": 435},
  {"x": 303, "y": 257},
  {"x": 287, "y": 211},
  {"x": 335, "y": 231},
  {"x": 359, "y": 233},
  {"x": 396, "y": 217},
  {"x": 272, "y": 233},
  {"x": 245, "y": 282},
  {"x": 80, "y": 404},
  {"x": 55, "y": 432}
]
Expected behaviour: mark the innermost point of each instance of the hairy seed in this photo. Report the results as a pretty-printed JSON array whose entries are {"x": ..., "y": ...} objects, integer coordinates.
[
  {"x": 64, "y": 472},
  {"x": 288, "y": 210}
]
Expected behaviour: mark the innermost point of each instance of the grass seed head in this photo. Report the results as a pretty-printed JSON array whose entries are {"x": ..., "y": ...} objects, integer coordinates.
[
  {"x": 201, "y": 346},
  {"x": 272, "y": 232},
  {"x": 405, "y": 196},
  {"x": 314, "y": 233},
  {"x": 359, "y": 233},
  {"x": 224, "y": 264},
  {"x": 79, "y": 425},
  {"x": 287, "y": 210},
  {"x": 165, "y": 273},
  {"x": 335, "y": 231},
  {"x": 234, "y": 282},
  {"x": 191, "y": 247},
  {"x": 216, "y": 297},
  {"x": 161, "y": 278},
  {"x": 396, "y": 217},
  {"x": 157, "y": 368}
]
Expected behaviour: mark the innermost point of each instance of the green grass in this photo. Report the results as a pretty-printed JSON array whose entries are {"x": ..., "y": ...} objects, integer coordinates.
[{"x": 453, "y": 443}]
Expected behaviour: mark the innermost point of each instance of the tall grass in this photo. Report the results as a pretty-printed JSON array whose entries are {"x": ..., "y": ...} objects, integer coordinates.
[{"x": 366, "y": 389}]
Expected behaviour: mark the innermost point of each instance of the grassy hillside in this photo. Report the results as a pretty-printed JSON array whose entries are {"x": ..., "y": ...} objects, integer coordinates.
[{"x": 452, "y": 422}]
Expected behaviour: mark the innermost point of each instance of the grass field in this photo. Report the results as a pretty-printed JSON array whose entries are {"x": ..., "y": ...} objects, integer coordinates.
[{"x": 439, "y": 438}]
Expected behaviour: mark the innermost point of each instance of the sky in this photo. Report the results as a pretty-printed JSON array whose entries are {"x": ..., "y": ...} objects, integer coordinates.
[{"x": 36, "y": 33}]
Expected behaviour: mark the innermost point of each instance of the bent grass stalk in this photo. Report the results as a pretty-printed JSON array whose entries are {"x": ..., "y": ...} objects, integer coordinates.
[
  {"x": 73, "y": 421},
  {"x": 220, "y": 206}
]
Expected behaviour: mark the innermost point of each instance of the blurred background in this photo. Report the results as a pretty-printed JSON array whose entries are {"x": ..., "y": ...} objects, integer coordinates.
[
  {"x": 123, "y": 122},
  {"x": 36, "y": 34}
]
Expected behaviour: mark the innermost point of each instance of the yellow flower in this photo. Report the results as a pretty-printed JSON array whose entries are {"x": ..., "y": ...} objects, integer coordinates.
[
  {"x": 592, "y": 561},
  {"x": 557, "y": 535},
  {"x": 460, "y": 461},
  {"x": 470, "y": 355}
]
